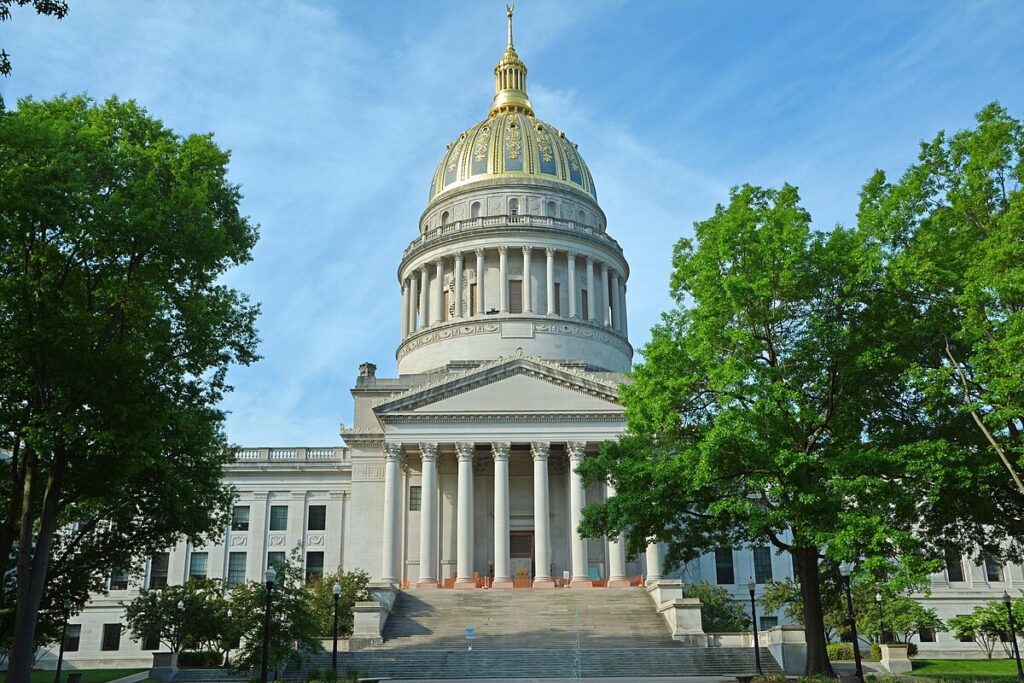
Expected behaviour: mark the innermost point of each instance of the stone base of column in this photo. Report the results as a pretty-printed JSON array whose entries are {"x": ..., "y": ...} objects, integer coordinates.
[
  {"x": 427, "y": 584},
  {"x": 653, "y": 580},
  {"x": 581, "y": 582},
  {"x": 618, "y": 583},
  {"x": 544, "y": 582},
  {"x": 503, "y": 584},
  {"x": 464, "y": 584}
]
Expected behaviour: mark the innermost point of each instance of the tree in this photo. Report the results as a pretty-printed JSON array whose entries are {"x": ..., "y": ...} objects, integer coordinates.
[
  {"x": 296, "y": 621},
  {"x": 719, "y": 613},
  {"x": 53, "y": 8},
  {"x": 770, "y": 386},
  {"x": 115, "y": 339},
  {"x": 201, "y": 623},
  {"x": 354, "y": 588}
]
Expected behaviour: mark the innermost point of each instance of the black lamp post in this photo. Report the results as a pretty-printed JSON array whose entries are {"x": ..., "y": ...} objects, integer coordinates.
[
  {"x": 269, "y": 576},
  {"x": 1013, "y": 634},
  {"x": 753, "y": 619},
  {"x": 881, "y": 623},
  {"x": 227, "y": 650},
  {"x": 846, "y": 568},
  {"x": 334, "y": 654},
  {"x": 181, "y": 625},
  {"x": 63, "y": 638}
]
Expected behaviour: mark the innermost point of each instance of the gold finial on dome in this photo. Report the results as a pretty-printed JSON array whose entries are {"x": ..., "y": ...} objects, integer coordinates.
[{"x": 510, "y": 79}]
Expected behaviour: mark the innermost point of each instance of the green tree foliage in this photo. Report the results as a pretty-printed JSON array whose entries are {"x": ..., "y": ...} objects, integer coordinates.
[
  {"x": 769, "y": 385},
  {"x": 201, "y": 624},
  {"x": 296, "y": 619},
  {"x": 53, "y": 8},
  {"x": 354, "y": 588},
  {"x": 719, "y": 613},
  {"x": 115, "y": 339},
  {"x": 988, "y": 625}
]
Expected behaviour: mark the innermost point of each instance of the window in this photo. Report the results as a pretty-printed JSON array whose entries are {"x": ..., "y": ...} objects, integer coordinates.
[
  {"x": 111, "y": 637},
  {"x": 197, "y": 566},
  {"x": 158, "y": 570},
  {"x": 515, "y": 296},
  {"x": 472, "y": 299},
  {"x": 927, "y": 635},
  {"x": 415, "y": 498},
  {"x": 240, "y": 518},
  {"x": 762, "y": 565},
  {"x": 275, "y": 558},
  {"x": 993, "y": 567},
  {"x": 513, "y": 209},
  {"x": 236, "y": 568},
  {"x": 551, "y": 209},
  {"x": 723, "y": 567},
  {"x": 314, "y": 565},
  {"x": 119, "y": 580},
  {"x": 151, "y": 642},
  {"x": 582, "y": 216},
  {"x": 954, "y": 567},
  {"x": 278, "y": 517},
  {"x": 584, "y": 305},
  {"x": 317, "y": 518},
  {"x": 72, "y": 637},
  {"x": 444, "y": 218},
  {"x": 558, "y": 298},
  {"x": 769, "y": 622},
  {"x": 474, "y": 210},
  {"x": 448, "y": 312}
]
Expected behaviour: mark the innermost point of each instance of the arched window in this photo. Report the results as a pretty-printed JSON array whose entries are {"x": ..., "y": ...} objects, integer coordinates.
[
  {"x": 582, "y": 216},
  {"x": 552, "y": 209},
  {"x": 444, "y": 218},
  {"x": 513, "y": 209},
  {"x": 474, "y": 210}
]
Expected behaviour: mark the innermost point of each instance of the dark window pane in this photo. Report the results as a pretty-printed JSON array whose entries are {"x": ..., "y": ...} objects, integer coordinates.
[
  {"x": 769, "y": 622},
  {"x": 723, "y": 567},
  {"x": 197, "y": 566},
  {"x": 275, "y": 559},
  {"x": 151, "y": 642},
  {"x": 314, "y": 565},
  {"x": 240, "y": 518},
  {"x": 74, "y": 635},
  {"x": 119, "y": 580},
  {"x": 236, "y": 568},
  {"x": 993, "y": 567},
  {"x": 278, "y": 517},
  {"x": 927, "y": 635},
  {"x": 954, "y": 567},
  {"x": 111, "y": 637},
  {"x": 317, "y": 517},
  {"x": 515, "y": 296},
  {"x": 158, "y": 570},
  {"x": 415, "y": 498},
  {"x": 762, "y": 565}
]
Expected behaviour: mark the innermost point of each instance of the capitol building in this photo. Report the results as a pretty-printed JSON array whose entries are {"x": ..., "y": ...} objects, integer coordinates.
[{"x": 459, "y": 474}]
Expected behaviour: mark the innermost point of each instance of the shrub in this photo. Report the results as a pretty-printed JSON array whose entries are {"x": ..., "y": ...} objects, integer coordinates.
[
  {"x": 200, "y": 660},
  {"x": 769, "y": 678},
  {"x": 818, "y": 678},
  {"x": 840, "y": 652},
  {"x": 876, "y": 652}
]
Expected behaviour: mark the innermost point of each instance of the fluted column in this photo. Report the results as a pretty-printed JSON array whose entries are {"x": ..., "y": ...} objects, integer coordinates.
[
  {"x": 615, "y": 301},
  {"x": 503, "y": 279},
  {"x": 405, "y": 309},
  {"x": 622, "y": 298},
  {"x": 437, "y": 314},
  {"x": 605, "y": 303},
  {"x": 591, "y": 297},
  {"x": 502, "y": 560},
  {"x": 527, "y": 285},
  {"x": 654, "y": 562},
  {"x": 480, "y": 310},
  {"x": 464, "y": 532},
  {"x": 551, "y": 281},
  {"x": 571, "y": 263},
  {"x": 392, "y": 500},
  {"x": 428, "y": 516},
  {"x": 577, "y": 501},
  {"x": 541, "y": 516},
  {"x": 413, "y": 301},
  {"x": 458, "y": 284},
  {"x": 616, "y": 554},
  {"x": 424, "y": 291}
]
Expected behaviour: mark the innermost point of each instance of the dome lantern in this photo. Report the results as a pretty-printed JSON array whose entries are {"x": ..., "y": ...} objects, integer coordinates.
[{"x": 510, "y": 79}]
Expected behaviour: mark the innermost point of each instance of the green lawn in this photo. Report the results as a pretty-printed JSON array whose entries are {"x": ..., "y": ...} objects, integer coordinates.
[
  {"x": 89, "y": 676},
  {"x": 986, "y": 669}
]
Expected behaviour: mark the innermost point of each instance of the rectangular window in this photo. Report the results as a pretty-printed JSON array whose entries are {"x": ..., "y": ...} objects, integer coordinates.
[
  {"x": 515, "y": 296},
  {"x": 762, "y": 565},
  {"x": 927, "y": 635},
  {"x": 447, "y": 312},
  {"x": 314, "y": 565},
  {"x": 584, "y": 305},
  {"x": 240, "y": 518},
  {"x": 275, "y": 559},
  {"x": 72, "y": 638},
  {"x": 158, "y": 570},
  {"x": 317, "y": 518},
  {"x": 119, "y": 580},
  {"x": 769, "y": 622},
  {"x": 558, "y": 298},
  {"x": 993, "y": 567},
  {"x": 473, "y": 308},
  {"x": 415, "y": 498},
  {"x": 954, "y": 567},
  {"x": 197, "y": 566},
  {"x": 723, "y": 567},
  {"x": 151, "y": 642},
  {"x": 236, "y": 568},
  {"x": 111, "y": 637},
  {"x": 278, "y": 517}
]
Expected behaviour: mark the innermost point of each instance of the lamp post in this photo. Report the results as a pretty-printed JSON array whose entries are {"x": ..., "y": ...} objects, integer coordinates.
[
  {"x": 63, "y": 638},
  {"x": 269, "y": 576},
  {"x": 227, "y": 650},
  {"x": 845, "y": 569},
  {"x": 881, "y": 623},
  {"x": 181, "y": 625},
  {"x": 1013, "y": 634},
  {"x": 753, "y": 619},
  {"x": 334, "y": 654}
]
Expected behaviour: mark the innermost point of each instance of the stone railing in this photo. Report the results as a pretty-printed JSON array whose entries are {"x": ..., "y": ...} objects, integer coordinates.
[{"x": 327, "y": 454}]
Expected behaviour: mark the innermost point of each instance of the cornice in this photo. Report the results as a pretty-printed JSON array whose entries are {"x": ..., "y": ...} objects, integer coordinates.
[{"x": 500, "y": 418}]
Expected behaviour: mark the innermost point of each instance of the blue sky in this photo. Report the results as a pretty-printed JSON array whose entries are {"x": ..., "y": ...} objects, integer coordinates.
[{"x": 337, "y": 113}]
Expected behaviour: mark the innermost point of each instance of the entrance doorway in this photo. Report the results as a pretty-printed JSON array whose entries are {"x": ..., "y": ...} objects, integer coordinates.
[{"x": 520, "y": 545}]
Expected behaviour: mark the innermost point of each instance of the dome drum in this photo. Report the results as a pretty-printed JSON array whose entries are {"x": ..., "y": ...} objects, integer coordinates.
[{"x": 505, "y": 197}]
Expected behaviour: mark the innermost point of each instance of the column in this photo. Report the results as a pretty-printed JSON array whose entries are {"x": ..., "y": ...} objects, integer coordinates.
[
  {"x": 653, "y": 562},
  {"x": 527, "y": 289},
  {"x": 605, "y": 303},
  {"x": 413, "y": 302},
  {"x": 502, "y": 560},
  {"x": 464, "y": 518},
  {"x": 405, "y": 310},
  {"x": 392, "y": 499},
  {"x": 577, "y": 501},
  {"x": 616, "y": 553},
  {"x": 541, "y": 516},
  {"x": 480, "y": 310},
  {"x": 622, "y": 314},
  {"x": 424, "y": 290},
  {"x": 571, "y": 262},
  {"x": 437, "y": 314},
  {"x": 551, "y": 281},
  {"x": 503, "y": 279},
  {"x": 428, "y": 516},
  {"x": 591, "y": 294},
  {"x": 614, "y": 301},
  {"x": 458, "y": 284}
]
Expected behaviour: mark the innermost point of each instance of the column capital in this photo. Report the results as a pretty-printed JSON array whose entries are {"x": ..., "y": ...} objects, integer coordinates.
[
  {"x": 500, "y": 450},
  {"x": 457, "y": 256},
  {"x": 428, "y": 451},
  {"x": 571, "y": 255},
  {"x": 604, "y": 267},
  {"x": 503, "y": 249},
  {"x": 540, "y": 450},
  {"x": 550, "y": 251},
  {"x": 527, "y": 248},
  {"x": 479, "y": 251},
  {"x": 464, "y": 449},
  {"x": 439, "y": 261},
  {"x": 577, "y": 451},
  {"x": 590, "y": 261},
  {"x": 392, "y": 451},
  {"x": 422, "y": 268}
]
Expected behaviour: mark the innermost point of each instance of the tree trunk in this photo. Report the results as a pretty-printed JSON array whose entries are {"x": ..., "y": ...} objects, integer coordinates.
[{"x": 814, "y": 620}]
